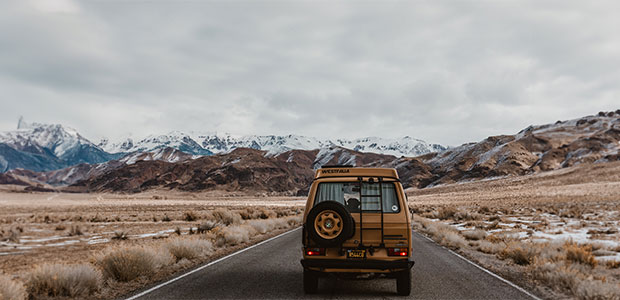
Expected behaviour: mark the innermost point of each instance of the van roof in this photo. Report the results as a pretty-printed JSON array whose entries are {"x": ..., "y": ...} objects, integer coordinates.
[{"x": 355, "y": 172}]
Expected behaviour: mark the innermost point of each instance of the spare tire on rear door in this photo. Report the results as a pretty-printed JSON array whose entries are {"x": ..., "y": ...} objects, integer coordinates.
[{"x": 329, "y": 224}]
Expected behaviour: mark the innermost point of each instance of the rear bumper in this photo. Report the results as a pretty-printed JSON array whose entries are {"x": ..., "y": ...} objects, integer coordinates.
[{"x": 358, "y": 264}]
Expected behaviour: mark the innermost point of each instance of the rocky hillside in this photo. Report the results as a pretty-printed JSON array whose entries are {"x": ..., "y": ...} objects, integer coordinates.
[{"x": 591, "y": 139}]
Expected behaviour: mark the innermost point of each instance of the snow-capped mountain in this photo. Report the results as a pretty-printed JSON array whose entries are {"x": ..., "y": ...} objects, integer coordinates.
[
  {"x": 196, "y": 143},
  {"x": 176, "y": 139},
  {"x": 47, "y": 147},
  {"x": 43, "y": 147}
]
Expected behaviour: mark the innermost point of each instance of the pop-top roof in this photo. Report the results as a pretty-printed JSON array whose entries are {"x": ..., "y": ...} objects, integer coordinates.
[{"x": 355, "y": 172}]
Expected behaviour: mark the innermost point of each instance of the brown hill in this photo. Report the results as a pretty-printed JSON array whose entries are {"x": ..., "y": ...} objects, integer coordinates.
[
  {"x": 537, "y": 148},
  {"x": 243, "y": 169}
]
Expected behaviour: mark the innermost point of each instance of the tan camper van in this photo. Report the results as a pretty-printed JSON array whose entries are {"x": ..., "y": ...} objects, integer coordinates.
[{"x": 357, "y": 222}]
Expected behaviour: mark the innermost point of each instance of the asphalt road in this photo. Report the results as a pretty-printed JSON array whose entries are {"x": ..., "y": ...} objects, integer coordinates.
[{"x": 272, "y": 271}]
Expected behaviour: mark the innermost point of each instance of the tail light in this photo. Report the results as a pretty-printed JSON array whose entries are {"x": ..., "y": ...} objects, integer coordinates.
[
  {"x": 315, "y": 251},
  {"x": 397, "y": 251}
]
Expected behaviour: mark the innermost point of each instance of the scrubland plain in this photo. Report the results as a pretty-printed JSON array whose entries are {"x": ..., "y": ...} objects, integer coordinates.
[
  {"x": 101, "y": 246},
  {"x": 555, "y": 233}
]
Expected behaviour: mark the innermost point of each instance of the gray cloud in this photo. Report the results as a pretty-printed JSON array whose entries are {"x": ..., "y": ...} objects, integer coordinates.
[{"x": 448, "y": 72}]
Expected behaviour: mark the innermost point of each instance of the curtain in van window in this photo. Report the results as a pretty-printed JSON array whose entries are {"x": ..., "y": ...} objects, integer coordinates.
[
  {"x": 390, "y": 200},
  {"x": 330, "y": 191}
]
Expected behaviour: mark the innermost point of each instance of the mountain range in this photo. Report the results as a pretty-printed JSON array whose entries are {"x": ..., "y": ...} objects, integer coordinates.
[
  {"x": 47, "y": 147},
  {"x": 540, "y": 148}
]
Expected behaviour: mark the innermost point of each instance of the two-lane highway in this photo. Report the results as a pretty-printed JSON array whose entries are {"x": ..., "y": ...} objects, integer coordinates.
[{"x": 272, "y": 271}]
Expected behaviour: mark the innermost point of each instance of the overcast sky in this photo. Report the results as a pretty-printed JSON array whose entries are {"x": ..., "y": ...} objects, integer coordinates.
[{"x": 447, "y": 72}]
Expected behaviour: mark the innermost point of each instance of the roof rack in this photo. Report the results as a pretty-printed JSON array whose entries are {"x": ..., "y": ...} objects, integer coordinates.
[{"x": 337, "y": 166}]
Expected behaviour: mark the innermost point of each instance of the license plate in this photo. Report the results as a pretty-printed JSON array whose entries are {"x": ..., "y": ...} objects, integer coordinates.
[{"x": 356, "y": 254}]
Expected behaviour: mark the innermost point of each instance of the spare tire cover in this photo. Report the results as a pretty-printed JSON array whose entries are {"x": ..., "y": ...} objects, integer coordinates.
[{"x": 329, "y": 224}]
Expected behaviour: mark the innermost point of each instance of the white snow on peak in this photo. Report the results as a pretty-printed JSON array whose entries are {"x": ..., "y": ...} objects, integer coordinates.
[
  {"x": 55, "y": 137},
  {"x": 273, "y": 144}
]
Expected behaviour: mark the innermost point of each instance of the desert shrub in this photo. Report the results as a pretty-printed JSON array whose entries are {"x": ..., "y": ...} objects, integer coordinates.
[
  {"x": 246, "y": 213},
  {"x": 226, "y": 217},
  {"x": 206, "y": 226},
  {"x": 467, "y": 216},
  {"x": 126, "y": 264},
  {"x": 120, "y": 235},
  {"x": 494, "y": 225},
  {"x": 612, "y": 264},
  {"x": 188, "y": 248},
  {"x": 75, "y": 230},
  {"x": 64, "y": 280},
  {"x": 556, "y": 275},
  {"x": 489, "y": 247},
  {"x": 190, "y": 216},
  {"x": 579, "y": 253},
  {"x": 264, "y": 226},
  {"x": 453, "y": 240},
  {"x": 445, "y": 212},
  {"x": 11, "y": 290},
  {"x": 475, "y": 234},
  {"x": 294, "y": 220},
  {"x": 13, "y": 236},
  {"x": 234, "y": 235},
  {"x": 595, "y": 290},
  {"x": 484, "y": 210},
  {"x": 165, "y": 219},
  {"x": 519, "y": 253},
  {"x": 60, "y": 227}
]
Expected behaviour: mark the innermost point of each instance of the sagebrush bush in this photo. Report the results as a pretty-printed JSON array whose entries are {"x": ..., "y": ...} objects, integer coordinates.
[
  {"x": 10, "y": 289},
  {"x": 190, "y": 216},
  {"x": 519, "y": 253},
  {"x": 489, "y": 247},
  {"x": 188, "y": 248},
  {"x": 445, "y": 212},
  {"x": 126, "y": 264},
  {"x": 234, "y": 235},
  {"x": 453, "y": 240},
  {"x": 579, "y": 253},
  {"x": 556, "y": 274},
  {"x": 226, "y": 217},
  {"x": 206, "y": 226},
  {"x": 475, "y": 234},
  {"x": 64, "y": 280},
  {"x": 588, "y": 289}
]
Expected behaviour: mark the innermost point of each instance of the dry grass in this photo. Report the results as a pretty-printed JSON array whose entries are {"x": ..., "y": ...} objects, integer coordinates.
[
  {"x": 126, "y": 264},
  {"x": 442, "y": 233},
  {"x": 612, "y": 264},
  {"x": 226, "y": 217},
  {"x": 206, "y": 226},
  {"x": 519, "y": 253},
  {"x": 580, "y": 254},
  {"x": 190, "y": 216},
  {"x": 489, "y": 247},
  {"x": 64, "y": 280},
  {"x": 588, "y": 289},
  {"x": 75, "y": 230},
  {"x": 46, "y": 225},
  {"x": 10, "y": 289},
  {"x": 474, "y": 235},
  {"x": 188, "y": 248}
]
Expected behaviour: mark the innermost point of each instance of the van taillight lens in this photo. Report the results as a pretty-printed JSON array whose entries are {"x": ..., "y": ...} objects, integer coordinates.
[
  {"x": 315, "y": 251},
  {"x": 397, "y": 251}
]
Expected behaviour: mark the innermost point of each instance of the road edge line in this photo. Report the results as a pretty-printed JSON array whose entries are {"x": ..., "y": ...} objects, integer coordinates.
[
  {"x": 207, "y": 265},
  {"x": 485, "y": 270}
]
